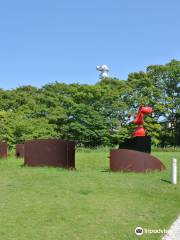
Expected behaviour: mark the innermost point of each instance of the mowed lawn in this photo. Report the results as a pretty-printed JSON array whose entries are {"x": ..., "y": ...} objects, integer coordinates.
[{"x": 89, "y": 203}]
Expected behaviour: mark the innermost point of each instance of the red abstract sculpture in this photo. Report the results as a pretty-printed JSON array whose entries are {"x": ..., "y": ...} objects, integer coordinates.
[
  {"x": 139, "y": 120},
  {"x": 133, "y": 154}
]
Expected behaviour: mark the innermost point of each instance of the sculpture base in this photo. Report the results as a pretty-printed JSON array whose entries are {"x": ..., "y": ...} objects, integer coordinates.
[
  {"x": 133, "y": 161},
  {"x": 142, "y": 144}
]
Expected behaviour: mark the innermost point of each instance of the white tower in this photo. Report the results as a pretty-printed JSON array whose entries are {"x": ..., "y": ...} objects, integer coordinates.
[{"x": 103, "y": 69}]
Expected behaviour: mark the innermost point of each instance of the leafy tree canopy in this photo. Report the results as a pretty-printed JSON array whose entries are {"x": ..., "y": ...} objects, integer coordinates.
[{"x": 95, "y": 115}]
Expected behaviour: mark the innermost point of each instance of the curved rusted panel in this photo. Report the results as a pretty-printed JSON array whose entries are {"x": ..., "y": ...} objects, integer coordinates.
[
  {"x": 20, "y": 150},
  {"x": 50, "y": 152},
  {"x": 3, "y": 149},
  {"x": 133, "y": 161}
]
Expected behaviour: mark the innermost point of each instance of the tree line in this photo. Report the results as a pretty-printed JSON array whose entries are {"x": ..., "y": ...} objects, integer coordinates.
[{"x": 95, "y": 115}]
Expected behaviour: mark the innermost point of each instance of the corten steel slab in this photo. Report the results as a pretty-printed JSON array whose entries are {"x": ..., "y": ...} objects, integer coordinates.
[
  {"x": 142, "y": 144},
  {"x": 20, "y": 150},
  {"x": 133, "y": 161},
  {"x": 50, "y": 152},
  {"x": 3, "y": 149},
  {"x": 71, "y": 154}
]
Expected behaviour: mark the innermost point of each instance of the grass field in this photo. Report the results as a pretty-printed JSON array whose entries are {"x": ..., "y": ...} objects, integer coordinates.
[{"x": 87, "y": 204}]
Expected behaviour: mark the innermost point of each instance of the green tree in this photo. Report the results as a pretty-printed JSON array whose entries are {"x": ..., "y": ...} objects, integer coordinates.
[{"x": 166, "y": 78}]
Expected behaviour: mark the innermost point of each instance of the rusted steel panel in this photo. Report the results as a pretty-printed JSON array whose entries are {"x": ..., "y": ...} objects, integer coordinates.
[
  {"x": 71, "y": 154},
  {"x": 3, "y": 149},
  {"x": 20, "y": 150},
  {"x": 133, "y": 161},
  {"x": 50, "y": 152}
]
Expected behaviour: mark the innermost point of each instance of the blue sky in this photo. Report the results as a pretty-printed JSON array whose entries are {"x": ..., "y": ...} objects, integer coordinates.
[{"x": 61, "y": 40}]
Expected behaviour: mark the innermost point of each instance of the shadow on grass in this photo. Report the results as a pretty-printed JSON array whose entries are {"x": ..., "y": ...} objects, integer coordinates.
[
  {"x": 48, "y": 167},
  {"x": 167, "y": 181},
  {"x": 105, "y": 170}
]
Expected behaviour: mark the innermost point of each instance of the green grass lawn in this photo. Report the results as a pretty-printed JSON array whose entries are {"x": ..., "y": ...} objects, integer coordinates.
[{"x": 90, "y": 203}]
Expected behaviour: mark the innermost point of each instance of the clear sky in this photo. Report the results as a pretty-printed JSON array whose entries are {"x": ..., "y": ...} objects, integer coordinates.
[{"x": 42, "y": 41}]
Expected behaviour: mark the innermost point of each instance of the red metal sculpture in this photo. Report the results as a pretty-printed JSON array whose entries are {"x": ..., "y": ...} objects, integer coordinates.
[
  {"x": 133, "y": 154},
  {"x": 139, "y": 120}
]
